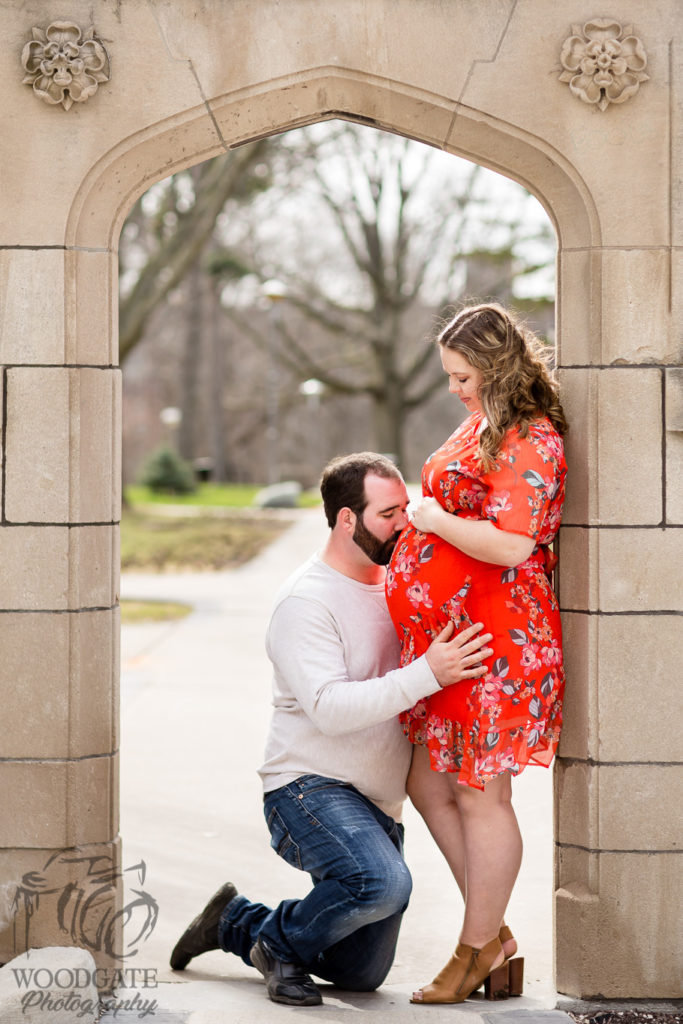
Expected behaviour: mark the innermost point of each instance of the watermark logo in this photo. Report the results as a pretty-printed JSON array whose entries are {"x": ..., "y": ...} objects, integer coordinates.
[
  {"x": 72, "y": 988},
  {"x": 81, "y": 890}
]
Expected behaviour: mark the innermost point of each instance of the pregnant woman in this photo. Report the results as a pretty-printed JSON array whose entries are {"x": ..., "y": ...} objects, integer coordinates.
[{"x": 478, "y": 550}]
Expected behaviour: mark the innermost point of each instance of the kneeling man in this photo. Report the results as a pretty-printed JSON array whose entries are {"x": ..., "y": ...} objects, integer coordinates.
[{"x": 336, "y": 758}]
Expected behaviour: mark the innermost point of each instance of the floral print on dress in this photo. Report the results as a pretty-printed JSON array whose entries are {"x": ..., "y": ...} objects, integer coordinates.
[
  {"x": 418, "y": 594},
  {"x": 512, "y": 716}
]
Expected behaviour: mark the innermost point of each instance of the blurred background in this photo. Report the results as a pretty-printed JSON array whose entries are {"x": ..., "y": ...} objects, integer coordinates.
[{"x": 278, "y": 306}]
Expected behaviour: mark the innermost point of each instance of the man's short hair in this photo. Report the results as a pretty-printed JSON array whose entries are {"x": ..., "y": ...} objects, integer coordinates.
[{"x": 342, "y": 484}]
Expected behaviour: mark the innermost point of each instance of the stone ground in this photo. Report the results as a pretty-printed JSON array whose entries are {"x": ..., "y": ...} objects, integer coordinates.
[{"x": 195, "y": 709}]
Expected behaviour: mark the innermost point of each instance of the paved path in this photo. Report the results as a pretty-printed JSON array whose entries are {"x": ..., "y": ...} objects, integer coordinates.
[{"x": 195, "y": 710}]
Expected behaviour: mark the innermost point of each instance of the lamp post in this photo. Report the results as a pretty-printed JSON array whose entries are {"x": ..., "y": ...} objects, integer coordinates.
[
  {"x": 312, "y": 389},
  {"x": 274, "y": 292},
  {"x": 171, "y": 418}
]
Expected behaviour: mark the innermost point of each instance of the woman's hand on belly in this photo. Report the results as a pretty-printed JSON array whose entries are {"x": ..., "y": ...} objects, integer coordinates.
[
  {"x": 425, "y": 515},
  {"x": 478, "y": 538}
]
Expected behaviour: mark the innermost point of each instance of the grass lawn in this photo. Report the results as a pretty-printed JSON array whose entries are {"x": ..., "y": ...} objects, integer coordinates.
[
  {"x": 133, "y": 612},
  {"x": 158, "y": 542},
  {"x": 208, "y": 496}
]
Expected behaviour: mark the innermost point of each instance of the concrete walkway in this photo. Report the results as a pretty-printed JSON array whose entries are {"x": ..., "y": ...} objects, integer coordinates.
[{"x": 195, "y": 711}]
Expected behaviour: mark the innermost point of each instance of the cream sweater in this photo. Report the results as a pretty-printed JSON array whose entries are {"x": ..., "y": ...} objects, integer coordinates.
[{"x": 336, "y": 689}]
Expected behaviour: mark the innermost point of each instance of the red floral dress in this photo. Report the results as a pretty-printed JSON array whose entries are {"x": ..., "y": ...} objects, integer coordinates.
[{"x": 482, "y": 727}]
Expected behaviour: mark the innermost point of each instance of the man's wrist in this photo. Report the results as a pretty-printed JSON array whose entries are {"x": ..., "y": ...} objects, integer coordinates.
[{"x": 436, "y": 685}]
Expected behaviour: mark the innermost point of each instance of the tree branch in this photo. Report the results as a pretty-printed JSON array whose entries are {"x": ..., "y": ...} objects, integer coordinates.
[{"x": 167, "y": 266}]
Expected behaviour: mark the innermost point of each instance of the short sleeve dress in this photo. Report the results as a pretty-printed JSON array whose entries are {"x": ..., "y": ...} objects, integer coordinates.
[{"x": 499, "y": 723}]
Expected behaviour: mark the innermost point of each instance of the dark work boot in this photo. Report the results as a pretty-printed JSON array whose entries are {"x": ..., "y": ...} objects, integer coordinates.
[
  {"x": 202, "y": 935},
  {"x": 285, "y": 982}
]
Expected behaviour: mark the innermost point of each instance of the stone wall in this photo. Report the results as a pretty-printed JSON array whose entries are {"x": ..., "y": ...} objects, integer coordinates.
[{"x": 481, "y": 80}]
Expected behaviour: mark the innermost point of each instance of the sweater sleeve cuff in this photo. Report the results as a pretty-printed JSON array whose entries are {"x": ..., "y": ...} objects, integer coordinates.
[{"x": 419, "y": 680}]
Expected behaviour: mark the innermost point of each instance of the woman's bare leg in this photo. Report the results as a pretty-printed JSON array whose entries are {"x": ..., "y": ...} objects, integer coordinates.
[
  {"x": 435, "y": 796},
  {"x": 493, "y": 854},
  {"x": 431, "y": 794}
]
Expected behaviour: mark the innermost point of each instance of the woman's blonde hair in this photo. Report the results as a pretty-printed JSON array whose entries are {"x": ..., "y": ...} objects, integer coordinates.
[{"x": 517, "y": 386}]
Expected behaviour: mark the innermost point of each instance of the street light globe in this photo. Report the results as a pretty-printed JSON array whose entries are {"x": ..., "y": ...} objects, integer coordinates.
[
  {"x": 312, "y": 387},
  {"x": 274, "y": 290},
  {"x": 170, "y": 416}
]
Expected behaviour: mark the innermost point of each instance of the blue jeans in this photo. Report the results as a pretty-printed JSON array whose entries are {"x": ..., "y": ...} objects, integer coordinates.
[{"x": 345, "y": 930}]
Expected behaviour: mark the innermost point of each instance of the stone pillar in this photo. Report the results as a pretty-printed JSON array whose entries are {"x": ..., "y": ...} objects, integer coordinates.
[
  {"x": 60, "y": 437},
  {"x": 617, "y": 783},
  {"x": 59, "y": 510}
]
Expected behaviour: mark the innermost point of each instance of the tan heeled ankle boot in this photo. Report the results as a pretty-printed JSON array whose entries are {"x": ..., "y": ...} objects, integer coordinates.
[
  {"x": 516, "y": 967},
  {"x": 464, "y": 972}
]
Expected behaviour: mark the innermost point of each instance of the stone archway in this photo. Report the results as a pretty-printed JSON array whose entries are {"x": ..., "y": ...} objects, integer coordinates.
[{"x": 60, "y": 438}]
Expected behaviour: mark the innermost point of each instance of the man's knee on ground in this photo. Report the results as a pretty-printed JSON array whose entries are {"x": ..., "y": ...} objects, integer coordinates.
[
  {"x": 368, "y": 984},
  {"x": 367, "y": 973}
]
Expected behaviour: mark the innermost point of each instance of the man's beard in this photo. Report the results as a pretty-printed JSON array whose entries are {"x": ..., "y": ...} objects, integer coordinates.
[{"x": 378, "y": 551}]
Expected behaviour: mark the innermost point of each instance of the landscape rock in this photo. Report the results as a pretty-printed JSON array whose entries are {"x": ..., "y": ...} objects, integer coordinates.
[
  {"x": 52, "y": 985},
  {"x": 284, "y": 495}
]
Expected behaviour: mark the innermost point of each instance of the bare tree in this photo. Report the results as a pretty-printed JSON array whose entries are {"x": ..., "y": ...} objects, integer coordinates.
[
  {"x": 158, "y": 248},
  {"x": 372, "y": 246},
  {"x": 373, "y": 236}
]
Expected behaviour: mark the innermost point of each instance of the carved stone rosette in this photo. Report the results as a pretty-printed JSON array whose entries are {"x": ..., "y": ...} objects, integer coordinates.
[
  {"x": 603, "y": 62},
  {"x": 63, "y": 64}
]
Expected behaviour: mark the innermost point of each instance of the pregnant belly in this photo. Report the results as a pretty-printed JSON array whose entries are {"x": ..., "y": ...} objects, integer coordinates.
[{"x": 426, "y": 574}]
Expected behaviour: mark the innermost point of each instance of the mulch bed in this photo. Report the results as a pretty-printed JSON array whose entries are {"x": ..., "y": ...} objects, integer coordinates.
[{"x": 627, "y": 1017}]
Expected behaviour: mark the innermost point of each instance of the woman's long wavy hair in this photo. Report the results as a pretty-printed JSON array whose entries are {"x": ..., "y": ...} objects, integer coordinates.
[{"x": 517, "y": 386}]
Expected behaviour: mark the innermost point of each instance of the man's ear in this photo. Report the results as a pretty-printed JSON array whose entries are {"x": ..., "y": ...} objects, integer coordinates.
[{"x": 346, "y": 519}]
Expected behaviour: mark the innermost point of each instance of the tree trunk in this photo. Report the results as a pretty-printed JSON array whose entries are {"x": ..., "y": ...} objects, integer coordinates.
[
  {"x": 191, "y": 362},
  {"x": 215, "y": 181},
  {"x": 215, "y": 324},
  {"x": 389, "y": 420}
]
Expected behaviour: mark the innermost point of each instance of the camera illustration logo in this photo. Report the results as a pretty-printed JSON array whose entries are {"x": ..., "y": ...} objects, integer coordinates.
[{"x": 81, "y": 890}]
